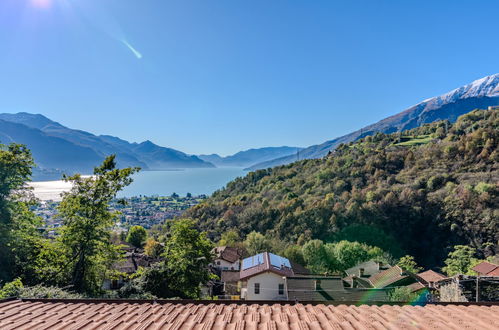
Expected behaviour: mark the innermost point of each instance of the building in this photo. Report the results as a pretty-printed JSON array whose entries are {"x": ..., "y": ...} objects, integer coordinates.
[
  {"x": 127, "y": 266},
  {"x": 391, "y": 277},
  {"x": 263, "y": 277},
  {"x": 227, "y": 258},
  {"x": 431, "y": 278},
  {"x": 358, "y": 276},
  {"x": 63, "y": 314},
  {"x": 486, "y": 269}
]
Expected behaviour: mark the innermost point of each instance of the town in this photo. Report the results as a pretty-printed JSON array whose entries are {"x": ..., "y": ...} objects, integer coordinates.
[{"x": 145, "y": 211}]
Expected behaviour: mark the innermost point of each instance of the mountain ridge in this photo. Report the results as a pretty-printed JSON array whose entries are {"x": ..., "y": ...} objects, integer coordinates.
[
  {"x": 480, "y": 93},
  {"x": 251, "y": 156}
]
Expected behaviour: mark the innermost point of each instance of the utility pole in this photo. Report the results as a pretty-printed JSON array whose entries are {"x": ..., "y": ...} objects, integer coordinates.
[{"x": 477, "y": 293}]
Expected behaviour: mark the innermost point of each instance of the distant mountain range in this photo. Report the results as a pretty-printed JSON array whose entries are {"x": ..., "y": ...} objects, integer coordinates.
[
  {"x": 250, "y": 157},
  {"x": 58, "y": 149},
  {"x": 480, "y": 94}
]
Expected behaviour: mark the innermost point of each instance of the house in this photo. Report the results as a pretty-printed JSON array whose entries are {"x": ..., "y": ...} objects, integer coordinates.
[
  {"x": 192, "y": 314},
  {"x": 126, "y": 267},
  {"x": 486, "y": 269},
  {"x": 227, "y": 258},
  {"x": 391, "y": 277},
  {"x": 358, "y": 276},
  {"x": 430, "y": 278},
  {"x": 263, "y": 277}
]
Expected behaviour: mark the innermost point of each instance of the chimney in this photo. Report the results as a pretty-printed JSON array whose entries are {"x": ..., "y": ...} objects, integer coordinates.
[
  {"x": 380, "y": 265},
  {"x": 361, "y": 272}
]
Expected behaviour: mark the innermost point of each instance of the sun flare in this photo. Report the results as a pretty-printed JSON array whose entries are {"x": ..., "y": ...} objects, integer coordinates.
[{"x": 41, "y": 3}]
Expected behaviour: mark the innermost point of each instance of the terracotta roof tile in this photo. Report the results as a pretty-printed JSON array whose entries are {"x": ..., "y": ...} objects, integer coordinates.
[
  {"x": 432, "y": 276},
  {"x": 34, "y": 315},
  {"x": 486, "y": 268}
]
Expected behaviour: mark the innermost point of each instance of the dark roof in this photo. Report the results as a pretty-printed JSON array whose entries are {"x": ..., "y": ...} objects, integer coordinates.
[
  {"x": 227, "y": 253},
  {"x": 299, "y": 269},
  {"x": 147, "y": 315},
  {"x": 132, "y": 261},
  {"x": 431, "y": 276},
  {"x": 486, "y": 268},
  {"x": 265, "y": 267}
]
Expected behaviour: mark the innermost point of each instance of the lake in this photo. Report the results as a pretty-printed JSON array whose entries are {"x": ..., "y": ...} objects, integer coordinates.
[{"x": 196, "y": 181}]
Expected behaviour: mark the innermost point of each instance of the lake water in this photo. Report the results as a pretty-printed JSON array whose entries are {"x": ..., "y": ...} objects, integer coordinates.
[{"x": 196, "y": 181}]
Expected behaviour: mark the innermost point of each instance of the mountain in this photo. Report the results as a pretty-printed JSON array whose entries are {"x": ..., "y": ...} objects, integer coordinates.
[
  {"x": 58, "y": 149},
  {"x": 250, "y": 157},
  {"x": 418, "y": 193},
  {"x": 480, "y": 94}
]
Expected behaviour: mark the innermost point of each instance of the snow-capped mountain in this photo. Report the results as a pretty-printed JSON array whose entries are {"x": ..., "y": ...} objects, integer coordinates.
[{"x": 480, "y": 94}]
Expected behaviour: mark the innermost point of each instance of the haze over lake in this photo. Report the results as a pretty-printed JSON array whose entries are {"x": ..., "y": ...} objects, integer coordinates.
[{"x": 196, "y": 181}]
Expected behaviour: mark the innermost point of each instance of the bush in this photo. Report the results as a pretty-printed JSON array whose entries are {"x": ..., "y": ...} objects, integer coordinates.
[
  {"x": 11, "y": 289},
  {"x": 48, "y": 292}
]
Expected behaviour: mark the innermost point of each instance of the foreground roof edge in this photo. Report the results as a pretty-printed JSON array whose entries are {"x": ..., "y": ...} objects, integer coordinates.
[{"x": 242, "y": 302}]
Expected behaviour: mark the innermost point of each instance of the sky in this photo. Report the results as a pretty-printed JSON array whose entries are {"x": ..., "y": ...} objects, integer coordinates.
[{"x": 220, "y": 76}]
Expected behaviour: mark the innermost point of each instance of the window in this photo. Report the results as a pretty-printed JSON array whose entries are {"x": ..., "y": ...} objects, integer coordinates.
[
  {"x": 257, "y": 288},
  {"x": 281, "y": 288},
  {"x": 318, "y": 285}
]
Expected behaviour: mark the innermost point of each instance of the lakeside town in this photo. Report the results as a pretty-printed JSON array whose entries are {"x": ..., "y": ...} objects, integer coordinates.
[{"x": 145, "y": 211}]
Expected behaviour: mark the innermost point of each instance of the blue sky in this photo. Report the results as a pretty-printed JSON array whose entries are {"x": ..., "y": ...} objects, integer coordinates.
[{"x": 221, "y": 76}]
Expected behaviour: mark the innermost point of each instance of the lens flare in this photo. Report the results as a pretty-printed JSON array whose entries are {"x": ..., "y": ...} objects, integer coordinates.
[{"x": 41, "y": 3}]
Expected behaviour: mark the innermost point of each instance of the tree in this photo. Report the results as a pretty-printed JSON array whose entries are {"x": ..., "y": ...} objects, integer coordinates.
[
  {"x": 460, "y": 261},
  {"x": 256, "y": 243},
  {"x": 85, "y": 235},
  {"x": 153, "y": 248},
  {"x": 137, "y": 236},
  {"x": 315, "y": 256},
  {"x": 19, "y": 238},
  {"x": 404, "y": 294},
  {"x": 408, "y": 263},
  {"x": 187, "y": 254},
  {"x": 229, "y": 238}
]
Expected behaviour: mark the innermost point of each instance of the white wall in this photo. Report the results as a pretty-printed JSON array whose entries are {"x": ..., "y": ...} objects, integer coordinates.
[
  {"x": 269, "y": 287},
  {"x": 225, "y": 265}
]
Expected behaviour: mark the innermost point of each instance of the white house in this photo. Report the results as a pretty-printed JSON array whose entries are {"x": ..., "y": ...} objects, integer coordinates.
[{"x": 263, "y": 277}]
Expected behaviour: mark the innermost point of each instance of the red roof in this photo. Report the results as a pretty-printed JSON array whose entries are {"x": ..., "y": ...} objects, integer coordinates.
[
  {"x": 150, "y": 315},
  {"x": 265, "y": 267},
  {"x": 486, "y": 268},
  {"x": 432, "y": 276}
]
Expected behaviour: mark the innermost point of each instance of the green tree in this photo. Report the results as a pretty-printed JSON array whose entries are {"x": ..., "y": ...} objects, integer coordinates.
[
  {"x": 402, "y": 294},
  {"x": 256, "y": 243},
  {"x": 460, "y": 261},
  {"x": 229, "y": 238},
  {"x": 408, "y": 263},
  {"x": 19, "y": 238},
  {"x": 137, "y": 236},
  {"x": 85, "y": 235},
  {"x": 187, "y": 254},
  {"x": 315, "y": 256}
]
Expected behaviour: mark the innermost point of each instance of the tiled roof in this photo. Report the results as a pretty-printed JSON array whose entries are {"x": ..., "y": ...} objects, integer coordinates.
[
  {"x": 57, "y": 315},
  {"x": 387, "y": 277},
  {"x": 416, "y": 286},
  {"x": 485, "y": 268},
  {"x": 227, "y": 253},
  {"x": 265, "y": 267},
  {"x": 432, "y": 276}
]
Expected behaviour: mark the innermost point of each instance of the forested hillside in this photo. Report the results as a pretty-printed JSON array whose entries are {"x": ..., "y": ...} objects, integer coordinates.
[{"x": 417, "y": 192}]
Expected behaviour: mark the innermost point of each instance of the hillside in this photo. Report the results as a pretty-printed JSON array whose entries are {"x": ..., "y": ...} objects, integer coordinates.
[
  {"x": 479, "y": 94},
  {"x": 80, "y": 151},
  {"x": 426, "y": 189},
  {"x": 250, "y": 157}
]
